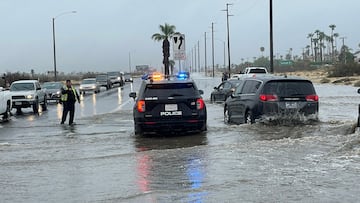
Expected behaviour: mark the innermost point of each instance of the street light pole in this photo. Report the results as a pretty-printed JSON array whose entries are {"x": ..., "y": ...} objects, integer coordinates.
[
  {"x": 271, "y": 39},
  {"x": 53, "y": 26},
  {"x": 54, "y": 45},
  {"x": 130, "y": 62},
  {"x": 212, "y": 45},
  {"x": 205, "y": 57}
]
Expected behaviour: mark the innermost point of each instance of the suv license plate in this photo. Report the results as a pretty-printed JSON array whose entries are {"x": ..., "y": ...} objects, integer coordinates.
[
  {"x": 291, "y": 105},
  {"x": 171, "y": 107},
  {"x": 18, "y": 103}
]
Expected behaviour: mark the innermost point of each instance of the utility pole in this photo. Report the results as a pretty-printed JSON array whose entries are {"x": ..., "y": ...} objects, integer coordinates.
[
  {"x": 212, "y": 42},
  {"x": 343, "y": 48},
  {"x": 228, "y": 35},
  {"x": 130, "y": 62},
  {"x": 271, "y": 40},
  {"x": 205, "y": 57},
  {"x": 192, "y": 61},
  {"x": 195, "y": 65},
  {"x": 199, "y": 66}
]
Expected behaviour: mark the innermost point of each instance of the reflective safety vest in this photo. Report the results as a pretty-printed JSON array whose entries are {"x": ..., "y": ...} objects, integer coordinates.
[{"x": 64, "y": 97}]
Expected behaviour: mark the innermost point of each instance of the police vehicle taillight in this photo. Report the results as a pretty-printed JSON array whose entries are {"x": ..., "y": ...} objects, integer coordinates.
[
  {"x": 200, "y": 104},
  {"x": 141, "y": 106}
]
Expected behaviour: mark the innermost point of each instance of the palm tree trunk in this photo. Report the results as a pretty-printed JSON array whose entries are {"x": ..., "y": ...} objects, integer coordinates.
[{"x": 166, "y": 54}]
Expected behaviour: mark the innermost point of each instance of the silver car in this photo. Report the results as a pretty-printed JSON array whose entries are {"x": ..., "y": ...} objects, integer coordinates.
[{"x": 89, "y": 85}]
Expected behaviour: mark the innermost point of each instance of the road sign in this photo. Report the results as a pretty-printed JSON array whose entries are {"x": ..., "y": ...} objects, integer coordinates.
[{"x": 179, "y": 46}]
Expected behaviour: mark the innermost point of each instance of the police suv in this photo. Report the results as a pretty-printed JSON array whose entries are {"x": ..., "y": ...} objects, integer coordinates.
[{"x": 169, "y": 105}]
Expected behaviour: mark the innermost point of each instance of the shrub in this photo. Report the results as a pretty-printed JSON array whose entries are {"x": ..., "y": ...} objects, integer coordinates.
[{"x": 343, "y": 70}]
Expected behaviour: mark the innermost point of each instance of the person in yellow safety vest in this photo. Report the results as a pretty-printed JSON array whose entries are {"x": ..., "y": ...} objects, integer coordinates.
[{"x": 69, "y": 96}]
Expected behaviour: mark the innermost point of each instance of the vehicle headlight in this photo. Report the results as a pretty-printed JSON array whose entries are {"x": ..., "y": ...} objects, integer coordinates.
[
  {"x": 81, "y": 87},
  {"x": 58, "y": 92},
  {"x": 30, "y": 96},
  {"x": 118, "y": 78},
  {"x": 93, "y": 86}
]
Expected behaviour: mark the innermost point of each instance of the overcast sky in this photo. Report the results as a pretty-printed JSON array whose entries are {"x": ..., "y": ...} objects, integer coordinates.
[{"x": 102, "y": 34}]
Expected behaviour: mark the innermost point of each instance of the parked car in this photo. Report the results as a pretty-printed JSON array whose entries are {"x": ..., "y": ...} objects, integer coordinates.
[
  {"x": 53, "y": 91},
  {"x": 28, "y": 93},
  {"x": 271, "y": 97},
  {"x": 168, "y": 105},
  {"x": 89, "y": 85},
  {"x": 104, "y": 81},
  {"x": 5, "y": 104},
  {"x": 224, "y": 90}
]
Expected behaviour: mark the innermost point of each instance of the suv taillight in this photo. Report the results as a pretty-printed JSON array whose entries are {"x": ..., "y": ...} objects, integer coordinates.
[
  {"x": 141, "y": 106},
  {"x": 200, "y": 104},
  {"x": 312, "y": 97},
  {"x": 268, "y": 97}
]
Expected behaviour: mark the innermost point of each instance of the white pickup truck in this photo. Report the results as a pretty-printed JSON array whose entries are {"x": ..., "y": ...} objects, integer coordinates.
[
  {"x": 250, "y": 72},
  {"x": 28, "y": 93},
  {"x": 5, "y": 104}
]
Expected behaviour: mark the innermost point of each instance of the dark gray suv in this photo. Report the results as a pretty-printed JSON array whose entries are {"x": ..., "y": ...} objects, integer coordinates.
[{"x": 271, "y": 97}]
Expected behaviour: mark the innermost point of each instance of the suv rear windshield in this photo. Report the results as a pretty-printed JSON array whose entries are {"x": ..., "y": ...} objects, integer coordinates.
[
  {"x": 170, "y": 90},
  {"x": 289, "y": 88}
]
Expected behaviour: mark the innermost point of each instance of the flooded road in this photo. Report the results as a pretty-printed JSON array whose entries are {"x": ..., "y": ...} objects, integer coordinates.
[{"x": 101, "y": 160}]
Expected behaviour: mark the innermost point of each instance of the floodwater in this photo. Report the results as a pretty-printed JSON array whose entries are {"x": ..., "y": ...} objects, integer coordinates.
[{"x": 101, "y": 160}]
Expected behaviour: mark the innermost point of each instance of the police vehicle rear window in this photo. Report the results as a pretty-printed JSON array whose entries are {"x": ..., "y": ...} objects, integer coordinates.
[
  {"x": 170, "y": 90},
  {"x": 289, "y": 88}
]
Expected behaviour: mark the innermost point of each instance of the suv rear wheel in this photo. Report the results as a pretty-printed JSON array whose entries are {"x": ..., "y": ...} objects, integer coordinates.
[
  {"x": 138, "y": 130},
  {"x": 227, "y": 116},
  {"x": 249, "y": 118}
]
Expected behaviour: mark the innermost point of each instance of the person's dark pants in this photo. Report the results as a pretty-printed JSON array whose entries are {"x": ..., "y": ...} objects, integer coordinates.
[{"x": 68, "y": 107}]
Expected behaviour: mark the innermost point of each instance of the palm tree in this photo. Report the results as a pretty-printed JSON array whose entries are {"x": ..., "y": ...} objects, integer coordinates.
[
  {"x": 315, "y": 47},
  {"x": 311, "y": 35},
  {"x": 332, "y": 27},
  {"x": 321, "y": 43},
  {"x": 307, "y": 50},
  {"x": 166, "y": 31},
  {"x": 336, "y": 35},
  {"x": 262, "y": 49}
]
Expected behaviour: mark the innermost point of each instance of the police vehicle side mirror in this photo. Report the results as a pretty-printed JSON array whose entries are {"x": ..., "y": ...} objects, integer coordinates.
[
  {"x": 201, "y": 92},
  {"x": 215, "y": 88},
  {"x": 132, "y": 95},
  {"x": 358, "y": 91}
]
